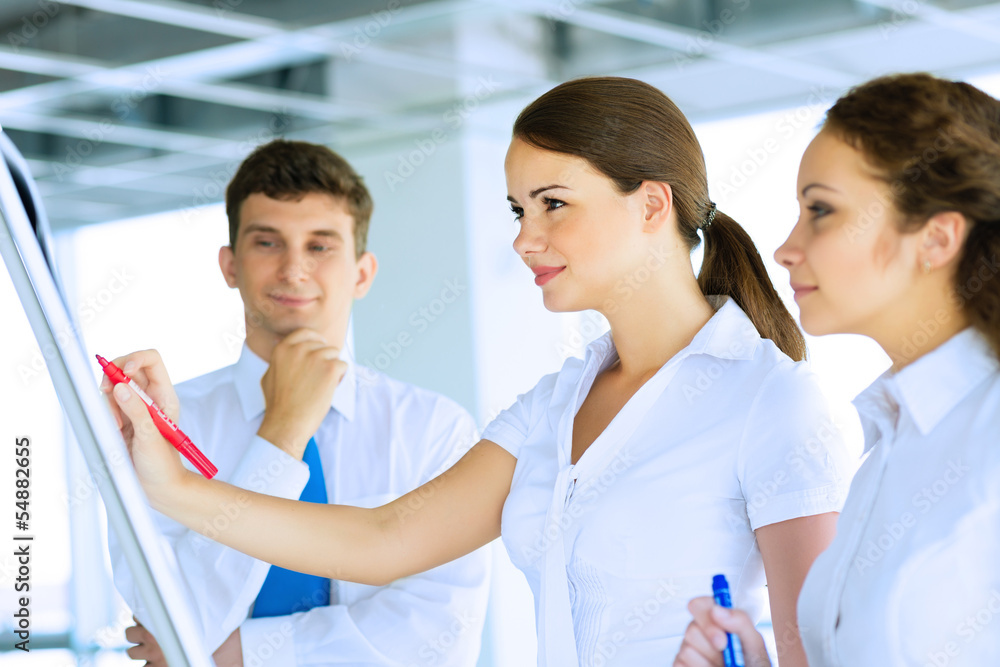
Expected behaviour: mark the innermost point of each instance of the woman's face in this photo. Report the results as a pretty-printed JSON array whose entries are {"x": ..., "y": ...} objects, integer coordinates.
[
  {"x": 849, "y": 265},
  {"x": 575, "y": 232}
]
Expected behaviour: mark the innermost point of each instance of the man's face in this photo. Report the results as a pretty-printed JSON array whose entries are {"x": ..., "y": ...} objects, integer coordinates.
[{"x": 294, "y": 264}]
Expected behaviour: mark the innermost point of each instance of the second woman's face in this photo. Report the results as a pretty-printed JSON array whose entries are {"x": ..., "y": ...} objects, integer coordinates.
[
  {"x": 574, "y": 233},
  {"x": 848, "y": 263}
]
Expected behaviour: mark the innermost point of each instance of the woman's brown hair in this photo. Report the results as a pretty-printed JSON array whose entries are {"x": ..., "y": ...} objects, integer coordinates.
[
  {"x": 936, "y": 143},
  {"x": 631, "y": 132}
]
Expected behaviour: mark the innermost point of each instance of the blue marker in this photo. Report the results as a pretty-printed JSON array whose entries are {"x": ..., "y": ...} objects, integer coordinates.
[{"x": 732, "y": 655}]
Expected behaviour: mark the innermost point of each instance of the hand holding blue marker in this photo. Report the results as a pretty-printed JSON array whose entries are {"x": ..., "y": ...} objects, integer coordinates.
[{"x": 732, "y": 655}]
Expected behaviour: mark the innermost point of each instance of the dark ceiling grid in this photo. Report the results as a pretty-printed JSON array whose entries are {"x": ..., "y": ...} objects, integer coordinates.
[{"x": 128, "y": 107}]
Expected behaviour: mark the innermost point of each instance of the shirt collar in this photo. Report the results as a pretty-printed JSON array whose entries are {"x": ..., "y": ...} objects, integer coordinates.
[
  {"x": 927, "y": 389},
  {"x": 250, "y": 368},
  {"x": 878, "y": 410},
  {"x": 729, "y": 334}
]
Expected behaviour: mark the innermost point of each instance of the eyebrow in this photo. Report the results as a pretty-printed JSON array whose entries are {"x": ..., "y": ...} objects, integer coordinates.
[
  {"x": 818, "y": 185},
  {"x": 535, "y": 193},
  {"x": 258, "y": 227}
]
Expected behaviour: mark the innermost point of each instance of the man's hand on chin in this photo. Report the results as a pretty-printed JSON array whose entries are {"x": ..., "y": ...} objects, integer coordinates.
[{"x": 298, "y": 388}]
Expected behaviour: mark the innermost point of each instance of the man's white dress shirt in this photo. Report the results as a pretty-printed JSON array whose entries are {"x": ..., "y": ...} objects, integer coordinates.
[
  {"x": 728, "y": 436},
  {"x": 913, "y": 575},
  {"x": 382, "y": 439}
]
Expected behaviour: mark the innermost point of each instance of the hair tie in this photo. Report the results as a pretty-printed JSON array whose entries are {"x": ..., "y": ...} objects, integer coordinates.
[{"x": 710, "y": 218}]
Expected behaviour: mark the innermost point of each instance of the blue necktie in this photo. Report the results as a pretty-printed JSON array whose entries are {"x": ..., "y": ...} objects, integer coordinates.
[{"x": 284, "y": 591}]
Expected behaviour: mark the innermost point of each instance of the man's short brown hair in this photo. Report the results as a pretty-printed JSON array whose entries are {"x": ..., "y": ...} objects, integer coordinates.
[{"x": 288, "y": 170}]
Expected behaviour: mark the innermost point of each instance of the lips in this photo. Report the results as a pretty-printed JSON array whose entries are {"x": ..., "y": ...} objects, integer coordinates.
[
  {"x": 802, "y": 290},
  {"x": 544, "y": 274},
  {"x": 291, "y": 301}
]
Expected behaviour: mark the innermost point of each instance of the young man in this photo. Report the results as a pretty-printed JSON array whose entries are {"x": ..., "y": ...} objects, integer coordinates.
[{"x": 298, "y": 222}]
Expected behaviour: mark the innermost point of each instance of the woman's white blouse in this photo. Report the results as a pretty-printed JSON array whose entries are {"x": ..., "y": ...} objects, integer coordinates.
[
  {"x": 728, "y": 436},
  {"x": 913, "y": 576}
]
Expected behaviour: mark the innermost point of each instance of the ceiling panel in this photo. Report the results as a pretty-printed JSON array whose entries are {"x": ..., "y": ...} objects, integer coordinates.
[{"x": 127, "y": 107}]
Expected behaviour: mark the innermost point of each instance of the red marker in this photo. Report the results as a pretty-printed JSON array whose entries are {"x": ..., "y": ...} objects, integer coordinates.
[{"x": 167, "y": 428}]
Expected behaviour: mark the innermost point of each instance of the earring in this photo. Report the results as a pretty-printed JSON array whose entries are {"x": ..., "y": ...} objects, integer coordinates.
[{"x": 927, "y": 266}]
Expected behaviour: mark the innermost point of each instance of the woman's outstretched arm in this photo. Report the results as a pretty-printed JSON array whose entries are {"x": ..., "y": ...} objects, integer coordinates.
[{"x": 448, "y": 517}]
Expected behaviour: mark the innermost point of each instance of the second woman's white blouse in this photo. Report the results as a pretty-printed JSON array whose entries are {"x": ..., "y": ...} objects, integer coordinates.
[
  {"x": 913, "y": 577},
  {"x": 728, "y": 436}
]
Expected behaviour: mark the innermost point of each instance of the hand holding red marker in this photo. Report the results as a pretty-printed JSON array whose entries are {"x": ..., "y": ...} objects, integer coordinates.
[{"x": 167, "y": 428}]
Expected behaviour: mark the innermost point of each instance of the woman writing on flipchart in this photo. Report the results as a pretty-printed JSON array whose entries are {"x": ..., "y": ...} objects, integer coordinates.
[{"x": 688, "y": 441}]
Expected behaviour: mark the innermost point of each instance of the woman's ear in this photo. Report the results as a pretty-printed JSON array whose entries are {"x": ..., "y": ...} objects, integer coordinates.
[
  {"x": 658, "y": 202},
  {"x": 943, "y": 239}
]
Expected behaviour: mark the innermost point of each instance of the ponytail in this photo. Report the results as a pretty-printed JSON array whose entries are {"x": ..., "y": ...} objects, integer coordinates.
[{"x": 732, "y": 266}]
